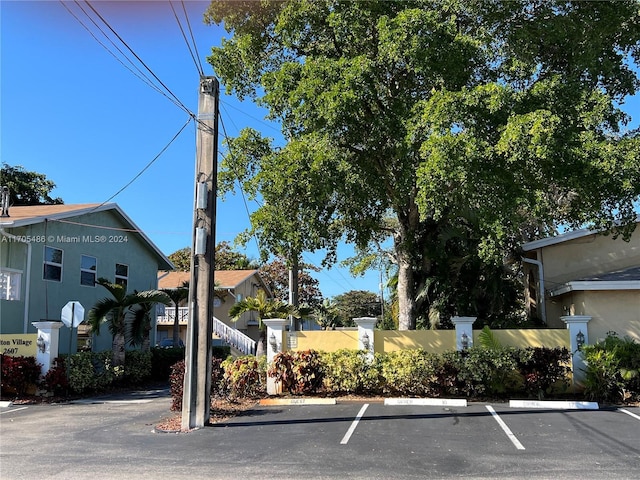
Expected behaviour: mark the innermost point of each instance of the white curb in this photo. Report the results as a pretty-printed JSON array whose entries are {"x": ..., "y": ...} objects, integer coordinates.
[
  {"x": 558, "y": 404},
  {"x": 445, "y": 402}
]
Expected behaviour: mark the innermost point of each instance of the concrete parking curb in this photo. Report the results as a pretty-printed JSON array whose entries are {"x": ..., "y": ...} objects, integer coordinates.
[
  {"x": 554, "y": 404},
  {"x": 297, "y": 401},
  {"x": 5, "y": 404},
  {"x": 437, "y": 402}
]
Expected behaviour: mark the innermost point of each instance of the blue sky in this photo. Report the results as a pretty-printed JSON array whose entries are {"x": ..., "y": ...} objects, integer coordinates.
[{"x": 73, "y": 112}]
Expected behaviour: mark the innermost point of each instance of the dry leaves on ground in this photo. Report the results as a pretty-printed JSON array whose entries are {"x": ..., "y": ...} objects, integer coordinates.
[{"x": 221, "y": 410}]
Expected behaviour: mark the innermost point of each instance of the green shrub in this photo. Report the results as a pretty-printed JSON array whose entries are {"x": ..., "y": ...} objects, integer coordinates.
[
  {"x": 18, "y": 373},
  {"x": 81, "y": 372},
  {"x": 544, "y": 369},
  {"x": 407, "y": 372},
  {"x": 349, "y": 371},
  {"x": 492, "y": 372},
  {"x": 245, "y": 377},
  {"x": 137, "y": 367},
  {"x": 162, "y": 360},
  {"x": 447, "y": 380},
  {"x": 613, "y": 366}
]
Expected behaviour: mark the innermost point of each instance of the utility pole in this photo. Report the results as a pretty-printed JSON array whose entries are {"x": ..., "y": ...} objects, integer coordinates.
[{"x": 196, "y": 400}]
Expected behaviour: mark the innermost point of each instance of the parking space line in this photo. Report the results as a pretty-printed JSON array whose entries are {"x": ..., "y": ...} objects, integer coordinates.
[
  {"x": 354, "y": 424},
  {"x": 506, "y": 429},
  {"x": 13, "y": 410},
  {"x": 637, "y": 417}
]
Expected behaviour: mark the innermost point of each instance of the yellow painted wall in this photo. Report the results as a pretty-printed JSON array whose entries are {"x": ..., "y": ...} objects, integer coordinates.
[
  {"x": 327, "y": 340},
  {"x": 435, "y": 341},
  {"x": 617, "y": 311},
  {"x": 530, "y": 338}
]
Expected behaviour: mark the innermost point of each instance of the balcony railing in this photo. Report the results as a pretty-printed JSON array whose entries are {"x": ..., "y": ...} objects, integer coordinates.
[
  {"x": 231, "y": 336},
  {"x": 170, "y": 315}
]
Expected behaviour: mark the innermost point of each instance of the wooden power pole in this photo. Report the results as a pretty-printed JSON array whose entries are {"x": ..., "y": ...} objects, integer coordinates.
[{"x": 196, "y": 400}]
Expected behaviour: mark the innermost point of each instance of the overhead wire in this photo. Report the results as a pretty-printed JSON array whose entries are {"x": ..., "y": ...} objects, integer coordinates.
[
  {"x": 167, "y": 89},
  {"x": 193, "y": 38},
  {"x": 184, "y": 36}
]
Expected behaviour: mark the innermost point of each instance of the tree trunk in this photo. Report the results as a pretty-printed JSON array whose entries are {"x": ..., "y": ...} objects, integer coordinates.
[
  {"x": 118, "y": 349},
  {"x": 176, "y": 327},
  {"x": 406, "y": 295},
  {"x": 261, "y": 345},
  {"x": 293, "y": 289}
]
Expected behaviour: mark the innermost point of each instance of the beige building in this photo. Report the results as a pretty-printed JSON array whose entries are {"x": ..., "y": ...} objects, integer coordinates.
[
  {"x": 586, "y": 273},
  {"x": 231, "y": 286}
]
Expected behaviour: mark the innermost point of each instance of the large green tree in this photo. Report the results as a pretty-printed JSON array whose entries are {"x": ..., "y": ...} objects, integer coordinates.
[
  {"x": 425, "y": 110},
  {"x": 356, "y": 304},
  {"x": 27, "y": 188}
]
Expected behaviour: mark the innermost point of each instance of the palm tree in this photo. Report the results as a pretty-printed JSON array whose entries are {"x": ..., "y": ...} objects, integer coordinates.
[
  {"x": 118, "y": 312},
  {"x": 265, "y": 308},
  {"x": 177, "y": 296}
]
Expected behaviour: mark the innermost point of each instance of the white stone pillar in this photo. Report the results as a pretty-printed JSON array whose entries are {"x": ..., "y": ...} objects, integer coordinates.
[
  {"x": 578, "y": 335},
  {"x": 464, "y": 332},
  {"x": 366, "y": 335},
  {"x": 47, "y": 343},
  {"x": 275, "y": 329}
]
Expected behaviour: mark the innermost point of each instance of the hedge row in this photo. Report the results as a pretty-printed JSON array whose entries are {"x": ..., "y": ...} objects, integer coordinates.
[
  {"x": 473, "y": 373},
  {"x": 85, "y": 372}
]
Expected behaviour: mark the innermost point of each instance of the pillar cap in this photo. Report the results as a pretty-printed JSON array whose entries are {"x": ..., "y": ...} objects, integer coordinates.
[
  {"x": 275, "y": 322},
  {"x": 575, "y": 318},
  {"x": 54, "y": 325}
]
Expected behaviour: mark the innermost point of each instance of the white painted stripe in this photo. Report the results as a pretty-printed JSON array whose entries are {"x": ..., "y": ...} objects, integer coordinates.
[
  {"x": 354, "y": 424},
  {"x": 445, "y": 402},
  {"x": 558, "y": 404},
  {"x": 637, "y": 417},
  {"x": 95, "y": 401},
  {"x": 13, "y": 410},
  {"x": 506, "y": 429}
]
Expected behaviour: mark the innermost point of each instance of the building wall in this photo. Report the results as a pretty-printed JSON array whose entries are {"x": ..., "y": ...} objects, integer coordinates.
[
  {"x": 47, "y": 298},
  {"x": 617, "y": 311},
  {"x": 586, "y": 256}
]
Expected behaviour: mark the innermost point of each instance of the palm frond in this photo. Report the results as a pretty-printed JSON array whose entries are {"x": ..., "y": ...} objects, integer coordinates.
[{"x": 488, "y": 340}]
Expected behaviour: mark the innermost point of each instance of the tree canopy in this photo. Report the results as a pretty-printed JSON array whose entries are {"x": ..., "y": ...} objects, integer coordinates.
[
  {"x": 425, "y": 110},
  {"x": 276, "y": 275},
  {"x": 226, "y": 258},
  {"x": 27, "y": 188}
]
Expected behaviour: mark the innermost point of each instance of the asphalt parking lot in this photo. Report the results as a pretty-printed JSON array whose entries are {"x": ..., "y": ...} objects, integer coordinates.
[{"x": 114, "y": 437}]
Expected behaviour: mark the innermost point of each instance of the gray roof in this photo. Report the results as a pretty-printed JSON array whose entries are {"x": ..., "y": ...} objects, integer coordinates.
[{"x": 627, "y": 275}]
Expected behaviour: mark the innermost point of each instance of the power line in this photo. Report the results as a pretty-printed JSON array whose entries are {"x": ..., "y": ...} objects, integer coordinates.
[
  {"x": 167, "y": 89},
  {"x": 147, "y": 165},
  {"x": 139, "y": 74},
  {"x": 196, "y": 61}
]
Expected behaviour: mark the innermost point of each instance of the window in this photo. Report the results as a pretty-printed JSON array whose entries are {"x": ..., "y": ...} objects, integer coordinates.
[
  {"x": 122, "y": 274},
  {"x": 88, "y": 269},
  {"x": 52, "y": 264},
  {"x": 10, "y": 281}
]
